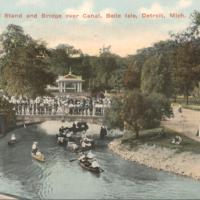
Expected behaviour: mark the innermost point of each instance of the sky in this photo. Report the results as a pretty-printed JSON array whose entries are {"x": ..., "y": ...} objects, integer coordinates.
[{"x": 125, "y": 35}]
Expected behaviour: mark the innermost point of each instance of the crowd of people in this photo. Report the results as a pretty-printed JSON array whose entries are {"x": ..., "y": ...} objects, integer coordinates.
[{"x": 59, "y": 105}]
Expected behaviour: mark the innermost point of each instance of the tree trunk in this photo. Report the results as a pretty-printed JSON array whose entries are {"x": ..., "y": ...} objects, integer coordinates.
[
  {"x": 175, "y": 98},
  {"x": 187, "y": 99},
  {"x": 136, "y": 131},
  {"x": 136, "y": 134}
]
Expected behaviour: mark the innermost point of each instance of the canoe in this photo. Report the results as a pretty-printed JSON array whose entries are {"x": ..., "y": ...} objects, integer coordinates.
[
  {"x": 7, "y": 196},
  {"x": 38, "y": 158},
  {"x": 97, "y": 170},
  {"x": 12, "y": 142}
]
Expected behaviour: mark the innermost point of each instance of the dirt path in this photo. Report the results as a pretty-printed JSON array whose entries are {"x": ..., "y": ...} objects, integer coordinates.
[{"x": 186, "y": 122}]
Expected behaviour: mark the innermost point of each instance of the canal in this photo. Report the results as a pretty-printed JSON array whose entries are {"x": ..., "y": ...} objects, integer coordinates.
[{"x": 58, "y": 178}]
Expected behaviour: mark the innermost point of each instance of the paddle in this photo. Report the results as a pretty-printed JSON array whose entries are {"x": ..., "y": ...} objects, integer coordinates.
[
  {"x": 101, "y": 170},
  {"x": 73, "y": 159}
]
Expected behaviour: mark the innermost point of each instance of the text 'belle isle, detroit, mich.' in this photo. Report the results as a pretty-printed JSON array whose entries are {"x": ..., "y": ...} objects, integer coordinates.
[{"x": 130, "y": 15}]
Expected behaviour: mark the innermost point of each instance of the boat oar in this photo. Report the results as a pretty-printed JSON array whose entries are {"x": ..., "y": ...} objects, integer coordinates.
[
  {"x": 101, "y": 170},
  {"x": 73, "y": 159}
]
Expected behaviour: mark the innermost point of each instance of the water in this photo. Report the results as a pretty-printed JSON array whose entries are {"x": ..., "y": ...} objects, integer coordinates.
[{"x": 58, "y": 178}]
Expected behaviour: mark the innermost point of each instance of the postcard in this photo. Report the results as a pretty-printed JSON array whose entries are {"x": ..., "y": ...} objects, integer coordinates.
[{"x": 99, "y": 99}]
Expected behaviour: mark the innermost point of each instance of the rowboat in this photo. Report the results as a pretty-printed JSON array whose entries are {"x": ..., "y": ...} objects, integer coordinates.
[
  {"x": 39, "y": 157},
  {"x": 62, "y": 141},
  {"x": 97, "y": 170},
  {"x": 87, "y": 144}
]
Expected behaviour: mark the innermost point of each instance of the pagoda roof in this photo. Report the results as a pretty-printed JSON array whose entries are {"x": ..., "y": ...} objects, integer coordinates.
[{"x": 70, "y": 77}]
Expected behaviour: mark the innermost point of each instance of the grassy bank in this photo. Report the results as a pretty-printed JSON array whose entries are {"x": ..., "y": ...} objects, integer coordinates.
[
  {"x": 162, "y": 138},
  {"x": 154, "y": 149}
]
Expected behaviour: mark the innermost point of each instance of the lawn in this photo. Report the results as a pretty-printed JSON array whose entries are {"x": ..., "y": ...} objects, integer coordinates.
[{"x": 163, "y": 138}]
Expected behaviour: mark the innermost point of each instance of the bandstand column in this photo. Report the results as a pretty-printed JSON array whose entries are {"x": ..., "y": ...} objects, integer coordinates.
[
  {"x": 45, "y": 109},
  {"x": 27, "y": 110},
  {"x": 64, "y": 86},
  {"x": 60, "y": 86},
  {"x": 36, "y": 109},
  {"x": 80, "y": 87},
  {"x": 23, "y": 110},
  {"x": 93, "y": 110}
]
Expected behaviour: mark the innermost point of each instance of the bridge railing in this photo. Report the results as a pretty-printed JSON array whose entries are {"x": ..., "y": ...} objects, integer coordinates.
[{"x": 42, "y": 109}]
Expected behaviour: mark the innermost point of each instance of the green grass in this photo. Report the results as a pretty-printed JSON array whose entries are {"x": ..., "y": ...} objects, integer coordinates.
[
  {"x": 154, "y": 138},
  {"x": 182, "y": 100},
  {"x": 192, "y": 107},
  {"x": 193, "y": 103}
]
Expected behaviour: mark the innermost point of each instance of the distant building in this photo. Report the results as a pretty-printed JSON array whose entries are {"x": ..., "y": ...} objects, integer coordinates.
[{"x": 105, "y": 49}]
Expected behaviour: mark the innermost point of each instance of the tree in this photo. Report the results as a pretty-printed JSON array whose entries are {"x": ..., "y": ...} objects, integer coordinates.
[
  {"x": 186, "y": 60},
  {"x": 188, "y": 68},
  {"x": 6, "y": 109},
  {"x": 86, "y": 72},
  {"x": 59, "y": 61},
  {"x": 24, "y": 66},
  {"x": 113, "y": 116},
  {"x": 65, "y": 57},
  {"x": 147, "y": 64},
  {"x": 133, "y": 111},
  {"x": 144, "y": 111},
  {"x": 131, "y": 78},
  {"x": 156, "y": 107},
  {"x": 116, "y": 80},
  {"x": 156, "y": 76},
  {"x": 103, "y": 68}
]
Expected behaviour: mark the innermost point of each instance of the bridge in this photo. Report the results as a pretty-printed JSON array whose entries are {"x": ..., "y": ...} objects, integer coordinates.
[
  {"x": 39, "y": 111},
  {"x": 28, "y": 119},
  {"x": 27, "y": 113}
]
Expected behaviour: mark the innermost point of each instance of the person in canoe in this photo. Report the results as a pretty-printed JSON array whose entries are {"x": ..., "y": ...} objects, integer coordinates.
[
  {"x": 12, "y": 139},
  {"x": 62, "y": 140},
  {"x": 87, "y": 158},
  {"x": 86, "y": 143},
  {"x": 84, "y": 159},
  {"x": 89, "y": 162},
  {"x": 34, "y": 147},
  {"x": 36, "y": 154}
]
